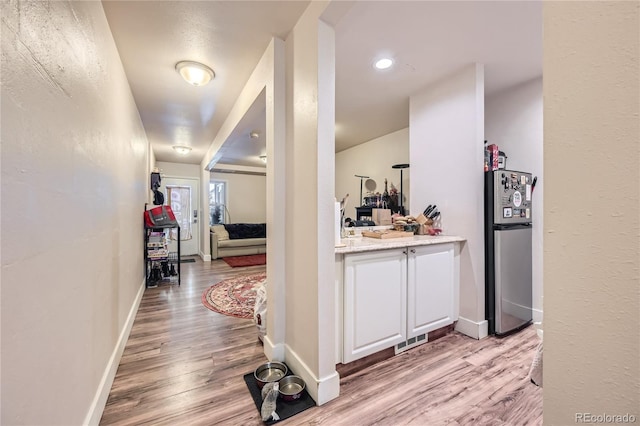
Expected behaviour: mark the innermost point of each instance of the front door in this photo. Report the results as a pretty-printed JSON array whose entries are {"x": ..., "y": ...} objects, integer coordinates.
[{"x": 182, "y": 195}]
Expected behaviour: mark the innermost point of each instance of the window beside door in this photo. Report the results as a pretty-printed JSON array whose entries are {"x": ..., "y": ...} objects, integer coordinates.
[{"x": 218, "y": 212}]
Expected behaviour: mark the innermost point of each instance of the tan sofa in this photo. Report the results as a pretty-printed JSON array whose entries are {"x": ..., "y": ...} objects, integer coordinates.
[{"x": 223, "y": 246}]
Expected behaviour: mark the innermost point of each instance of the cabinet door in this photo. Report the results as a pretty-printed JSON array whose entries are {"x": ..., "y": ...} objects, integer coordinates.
[
  {"x": 375, "y": 301},
  {"x": 430, "y": 288}
]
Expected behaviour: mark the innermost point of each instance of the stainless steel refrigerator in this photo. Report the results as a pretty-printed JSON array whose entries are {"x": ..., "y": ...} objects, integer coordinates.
[{"x": 508, "y": 207}]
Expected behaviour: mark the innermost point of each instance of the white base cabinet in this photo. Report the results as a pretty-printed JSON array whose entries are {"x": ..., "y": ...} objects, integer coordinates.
[
  {"x": 431, "y": 293},
  {"x": 375, "y": 302},
  {"x": 389, "y": 296}
]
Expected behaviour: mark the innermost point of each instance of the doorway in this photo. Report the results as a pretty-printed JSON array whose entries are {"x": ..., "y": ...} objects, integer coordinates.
[{"x": 182, "y": 195}]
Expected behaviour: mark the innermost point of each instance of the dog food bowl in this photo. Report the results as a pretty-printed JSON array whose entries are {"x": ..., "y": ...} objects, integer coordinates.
[
  {"x": 291, "y": 388},
  {"x": 269, "y": 372}
]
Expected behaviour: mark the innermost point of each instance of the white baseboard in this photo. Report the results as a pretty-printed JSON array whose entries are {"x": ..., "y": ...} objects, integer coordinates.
[
  {"x": 204, "y": 257},
  {"x": 323, "y": 389},
  {"x": 537, "y": 315},
  {"x": 477, "y": 330},
  {"x": 94, "y": 414},
  {"x": 515, "y": 309},
  {"x": 273, "y": 352}
]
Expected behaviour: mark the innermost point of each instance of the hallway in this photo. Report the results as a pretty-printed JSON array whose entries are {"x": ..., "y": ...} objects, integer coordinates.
[{"x": 183, "y": 364}]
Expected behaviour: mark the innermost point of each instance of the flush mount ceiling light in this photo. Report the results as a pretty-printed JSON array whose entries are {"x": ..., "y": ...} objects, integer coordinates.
[
  {"x": 383, "y": 64},
  {"x": 181, "y": 149},
  {"x": 195, "y": 73},
  {"x": 254, "y": 134}
]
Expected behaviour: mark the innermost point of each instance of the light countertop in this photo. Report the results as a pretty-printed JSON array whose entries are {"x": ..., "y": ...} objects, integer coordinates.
[{"x": 361, "y": 244}]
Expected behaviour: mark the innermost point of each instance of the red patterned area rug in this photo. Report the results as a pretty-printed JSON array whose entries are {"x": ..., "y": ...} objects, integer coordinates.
[
  {"x": 235, "y": 297},
  {"x": 250, "y": 260}
]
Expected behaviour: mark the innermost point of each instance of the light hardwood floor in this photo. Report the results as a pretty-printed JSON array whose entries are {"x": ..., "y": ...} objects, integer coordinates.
[{"x": 183, "y": 365}]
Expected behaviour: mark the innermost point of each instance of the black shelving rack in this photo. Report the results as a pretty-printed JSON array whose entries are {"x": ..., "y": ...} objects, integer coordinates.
[{"x": 158, "y": 269}]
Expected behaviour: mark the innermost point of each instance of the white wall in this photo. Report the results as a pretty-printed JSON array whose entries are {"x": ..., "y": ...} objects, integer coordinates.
[
  {"x": 75, "y": 177},
  {"x": 151, "y": 160},
  {"x": 179, "y": 170},
  {"x": 374, "y": 159},
  {"x": 446, "y": 144},
  {"x": 592, "y": 214},
  {"x": 246, "y": 197},
  {"x": 513, "y": 121}
]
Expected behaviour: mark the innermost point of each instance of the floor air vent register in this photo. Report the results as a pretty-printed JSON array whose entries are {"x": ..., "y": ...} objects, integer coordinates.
[{"x": 414, "y": 341}]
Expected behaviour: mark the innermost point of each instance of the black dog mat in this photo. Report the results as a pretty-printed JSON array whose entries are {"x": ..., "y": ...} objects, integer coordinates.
[
  {"x": 187, "y": 260},
  {"x": 284, "y": 409}
]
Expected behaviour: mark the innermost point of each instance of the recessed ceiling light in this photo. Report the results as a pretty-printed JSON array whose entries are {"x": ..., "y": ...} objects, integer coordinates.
[
  {"x": 254, "y": 134},
  {"x": 264, "y": 159},
  {"x": 195, "y": 73},
  {"x": 181, "y": 149},
  {"x": 383, "y": 64}
]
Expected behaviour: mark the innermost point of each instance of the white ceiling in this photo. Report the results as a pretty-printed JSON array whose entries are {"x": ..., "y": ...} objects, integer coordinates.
[
  {"x": 427, "y": 39},
  {"x": 229, "y": 36}
]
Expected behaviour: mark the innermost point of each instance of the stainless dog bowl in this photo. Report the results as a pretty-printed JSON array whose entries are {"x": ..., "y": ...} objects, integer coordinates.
[
  {"x": 269, "y": 372},
  {"x": 291, "y": 387}
]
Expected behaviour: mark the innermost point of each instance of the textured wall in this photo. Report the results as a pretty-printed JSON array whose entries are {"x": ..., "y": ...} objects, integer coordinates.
[
  {"x": 74, "y": 183},
  {"x": 591, "y": 241}
]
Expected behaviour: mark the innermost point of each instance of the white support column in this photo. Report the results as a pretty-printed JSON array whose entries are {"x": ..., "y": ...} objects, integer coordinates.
[{"x": 310, "y": 302}]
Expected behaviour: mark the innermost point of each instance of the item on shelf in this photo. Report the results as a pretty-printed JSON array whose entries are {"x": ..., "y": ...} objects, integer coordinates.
[
  {"x": 502, "y": 160},
  {"x": 155, "y": 179},
  {"x": 493, "y": 152},
  {"x": 155, "y": 274},
  {"x": 158, "y": 254},
  {"x": 158, "y": 197},
  {"x": 371, "y": 200},
  {"x": 159, "y": 217},
  {"x": 159, "y": 260}
]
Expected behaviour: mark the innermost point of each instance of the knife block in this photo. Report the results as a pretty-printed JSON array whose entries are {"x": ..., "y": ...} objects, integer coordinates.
[
  {"x": 425, "y": 224},
  {"x": 423, "y": 220}
]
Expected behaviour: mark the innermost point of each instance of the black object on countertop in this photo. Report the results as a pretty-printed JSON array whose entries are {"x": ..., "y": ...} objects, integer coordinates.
[
  {"x": 284, "y": 409},
  {"x": 400, "y": 166},
  {"x": 429, "y": 210}
]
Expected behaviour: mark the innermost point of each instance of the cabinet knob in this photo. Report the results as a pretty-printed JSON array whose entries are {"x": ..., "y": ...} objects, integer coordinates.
[
  {"x": 404, "y": 252},
  {"x": 413, "y": 250}
]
